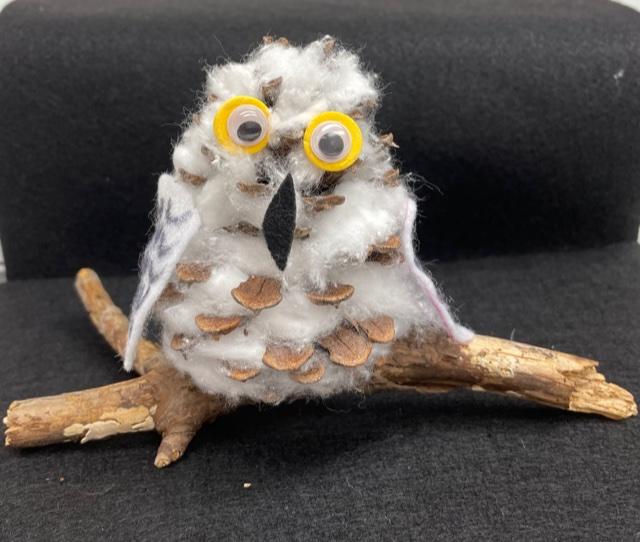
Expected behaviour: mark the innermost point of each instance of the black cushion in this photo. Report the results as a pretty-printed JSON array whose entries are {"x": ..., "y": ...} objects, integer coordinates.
[
  {"x": 522, "y": 114},
  {"x": 460, "y": 466}
]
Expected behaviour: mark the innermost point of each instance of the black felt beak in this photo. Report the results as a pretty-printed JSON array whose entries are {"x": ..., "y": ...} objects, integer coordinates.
[{"x": 279, "y": 222}]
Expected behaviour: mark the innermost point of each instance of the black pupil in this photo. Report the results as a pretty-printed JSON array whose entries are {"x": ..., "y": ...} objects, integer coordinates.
[
  {"x": 331, "y": 144},
  {"x": 249, "y": 131}
]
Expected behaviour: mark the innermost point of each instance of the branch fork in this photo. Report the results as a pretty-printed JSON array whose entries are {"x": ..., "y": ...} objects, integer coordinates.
[{"x": 164, "y": 400}]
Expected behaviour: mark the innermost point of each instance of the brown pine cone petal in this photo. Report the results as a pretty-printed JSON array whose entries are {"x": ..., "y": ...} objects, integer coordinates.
[
  {"x": 243, "y": 227},
  {"x": 258, "y": 293},
  {"x": 171, "y": 294},
  {"x": 180, "y": 342},
  {"x": 193, "y": 272},
  {"x": 322, "y": 203},
  {"x": 309, "y": 376},
  {"x": 388, "y": 245},
  {"x": 332, "y": 295},
  {"x": 378, "y": 330},
  {"x": 271, "y": 90},
  {"x": 207, "y": 152},
  {"x": 329, "y": 180},
  {"x": 253, "y": 189},
  {"x": 302, "y": 233},
  {"x": 242, "y": 375},
  {"x": 347, "y": 347},
  {"x": 268, "y": 40},
  {"x": 386, "y": 258},
  {"x": 391, "y": 177},
  {"x": 328, "y": 46},
  {"x": 363, "y": 110},
  {"x": 284, "y": 145},
  {"x": 191, "y": 178},
  {"x": 387, "y": 140},
  {"x": 283, "y": 358},
  {"x": 217, "y": 325},
  {"x": 271, "y": 397}
]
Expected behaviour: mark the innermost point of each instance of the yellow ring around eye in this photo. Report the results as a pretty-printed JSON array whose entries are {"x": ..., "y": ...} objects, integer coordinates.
[
  {"x": 354, "y": 132},
  {"x": 222, "y": 117}
]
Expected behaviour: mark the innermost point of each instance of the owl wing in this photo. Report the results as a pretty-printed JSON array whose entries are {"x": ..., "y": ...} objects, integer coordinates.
[
  {"x": 456, "y": 331},
  {"x": 176, "y": 222}
]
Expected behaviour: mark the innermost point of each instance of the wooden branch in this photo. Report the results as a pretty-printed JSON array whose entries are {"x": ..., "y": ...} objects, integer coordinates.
[
  {"x": 162, "y": 399},
  {"x": 498, "y": 365},
  {"x": 111, "y": 322},
  {"x": 82, "y": 416}
]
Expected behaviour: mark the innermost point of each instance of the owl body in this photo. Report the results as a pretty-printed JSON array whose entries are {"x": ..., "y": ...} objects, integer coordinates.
[{"x": 282, "y": 264}]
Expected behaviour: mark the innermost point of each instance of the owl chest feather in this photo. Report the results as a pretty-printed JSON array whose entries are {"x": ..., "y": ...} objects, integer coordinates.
[{"x": 265, "y": 337}]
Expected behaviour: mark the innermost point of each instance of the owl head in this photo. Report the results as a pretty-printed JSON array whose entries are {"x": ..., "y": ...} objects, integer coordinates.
[
  {"x": 305, "y": 114},
  {"x": 302, "y": 111}
]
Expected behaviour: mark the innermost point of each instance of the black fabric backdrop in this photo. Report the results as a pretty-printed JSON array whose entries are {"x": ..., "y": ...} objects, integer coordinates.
[{"x": 523, "y": 115}]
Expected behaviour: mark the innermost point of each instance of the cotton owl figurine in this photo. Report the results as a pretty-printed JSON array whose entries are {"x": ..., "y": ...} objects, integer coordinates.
[
  {"x": 282, "y": 262},
  {"x": 282, "y": 267}
]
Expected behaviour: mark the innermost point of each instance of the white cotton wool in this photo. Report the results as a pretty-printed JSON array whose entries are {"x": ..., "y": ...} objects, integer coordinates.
[
  {"x": 277, "y": 332},
  {"x": 296, "y": 320},
  {"x": 394, "y": 291},
  {"x": 214, "y": 292},
  {"x": 369, "y": 215}
]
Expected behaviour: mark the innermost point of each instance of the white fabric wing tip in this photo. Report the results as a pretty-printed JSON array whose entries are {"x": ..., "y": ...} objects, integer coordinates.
[
  {"x": 177, "y": 221},
  {"x": 456, "y": 331}
]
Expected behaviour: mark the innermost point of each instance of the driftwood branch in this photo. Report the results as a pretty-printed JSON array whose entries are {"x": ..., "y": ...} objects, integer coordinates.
[
  {"x": 163, "y": 400},
  {"x": 489, "y": 364}
]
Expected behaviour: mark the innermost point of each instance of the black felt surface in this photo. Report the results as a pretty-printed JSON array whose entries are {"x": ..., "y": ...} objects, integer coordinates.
[
  {"x": 460, "y": 466},
  {"x": 279, "y": 222},
  {"x": 522, "y": 113}
]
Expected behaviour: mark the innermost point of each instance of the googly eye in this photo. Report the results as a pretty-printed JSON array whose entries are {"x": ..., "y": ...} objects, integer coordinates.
[
  {"x": 242, "y": 124},
  {"x": 332, "y": 141}
]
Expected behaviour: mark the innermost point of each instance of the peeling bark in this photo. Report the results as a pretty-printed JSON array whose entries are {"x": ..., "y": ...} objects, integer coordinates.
[{"x": 490, "y": 364}]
